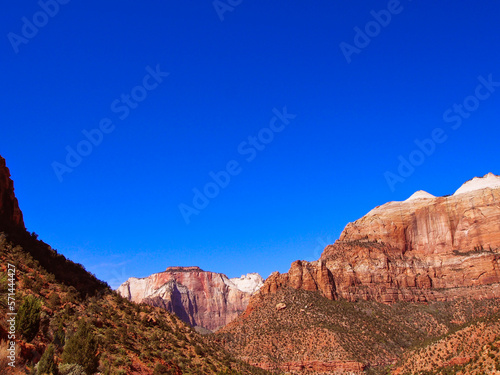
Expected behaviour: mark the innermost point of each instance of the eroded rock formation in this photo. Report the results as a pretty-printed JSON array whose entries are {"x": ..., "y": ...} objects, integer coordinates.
[
  {"x": 423, "y": 249},
  {"x": 206, "y": 299}
]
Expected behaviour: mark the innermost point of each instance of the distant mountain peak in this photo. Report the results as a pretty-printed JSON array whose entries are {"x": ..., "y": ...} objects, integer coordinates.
[
  {"x": 489, "y": 180},
  {"x": 200, "y": 298},
  {"x": 248, "y": 283}
]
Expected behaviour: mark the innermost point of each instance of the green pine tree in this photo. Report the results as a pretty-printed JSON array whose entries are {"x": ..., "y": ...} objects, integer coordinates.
[
  {"x": 28, "y": 318},
  {"x": 46, "y": 365},
  {"x": 82, "y": 348},
  {"x": 59, "y": 336}
]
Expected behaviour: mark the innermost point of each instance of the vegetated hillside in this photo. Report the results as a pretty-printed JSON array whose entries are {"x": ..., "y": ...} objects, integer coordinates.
[
  {"x": 122, "y": 337},
  {"x": 297, "y": 330},
  {"x": 12, "y": 224},
  {"x": 64, "y": 270},
  {"x": 471, "y": 350}
]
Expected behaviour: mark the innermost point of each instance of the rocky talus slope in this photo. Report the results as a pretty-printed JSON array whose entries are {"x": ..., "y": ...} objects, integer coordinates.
[{"x": 202, "y": 299}]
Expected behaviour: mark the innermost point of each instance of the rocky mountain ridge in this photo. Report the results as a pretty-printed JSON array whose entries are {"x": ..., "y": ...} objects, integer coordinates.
[
  {"x": 423, "y": 249},
  {"x": 202, "y": 299},
  {"x": 10, "y": 213}
]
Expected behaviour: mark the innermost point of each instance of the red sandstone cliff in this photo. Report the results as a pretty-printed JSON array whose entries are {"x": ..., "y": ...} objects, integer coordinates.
[
  {"x": 422, "y": 249},
  {"x": 10, "y": 214},
  {"x": 206, "y": 299}
]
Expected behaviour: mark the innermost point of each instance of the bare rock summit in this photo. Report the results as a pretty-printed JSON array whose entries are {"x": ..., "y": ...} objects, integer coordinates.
[
  {"x": 488, "y": 181},
  {"x": 203, "y": 299}
]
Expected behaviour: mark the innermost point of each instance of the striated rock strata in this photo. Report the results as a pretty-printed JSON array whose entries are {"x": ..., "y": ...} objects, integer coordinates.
[
  {"x": 10, "y": 213},
  {"x": 423, "y": 249},
  {"x": 206, "y": 299}
]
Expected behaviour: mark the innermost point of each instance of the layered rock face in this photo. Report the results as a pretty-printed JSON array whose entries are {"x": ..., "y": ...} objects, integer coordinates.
[
  {"x": 206, "y": 299},
  {"x": 10, "y": 214},
  {"x": 423, "y": 249},
  {"x": 429, "y": 225}
]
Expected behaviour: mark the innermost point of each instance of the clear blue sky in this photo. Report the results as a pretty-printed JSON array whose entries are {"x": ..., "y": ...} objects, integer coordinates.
[{"x": 117, "y": 211}]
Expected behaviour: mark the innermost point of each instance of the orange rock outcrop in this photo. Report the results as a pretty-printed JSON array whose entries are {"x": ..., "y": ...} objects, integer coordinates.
[{"x": 423, "y": 249}]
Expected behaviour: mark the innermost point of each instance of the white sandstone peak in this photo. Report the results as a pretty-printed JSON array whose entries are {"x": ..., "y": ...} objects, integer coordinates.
[
  {"x": 248, "y": 283},
  {"x": 477, "y": 183},
  {"x": 420, "y": 195}
]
